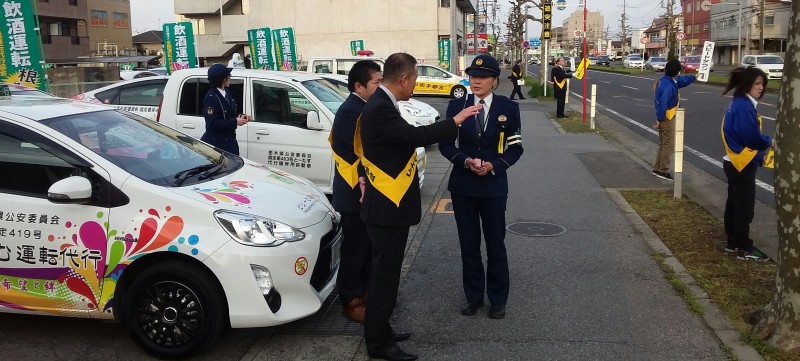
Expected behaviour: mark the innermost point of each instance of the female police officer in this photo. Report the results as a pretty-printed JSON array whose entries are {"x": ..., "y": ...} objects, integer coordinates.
[
  {"x": 221, "y": 114},
  {"x": 487, "y": 145}
]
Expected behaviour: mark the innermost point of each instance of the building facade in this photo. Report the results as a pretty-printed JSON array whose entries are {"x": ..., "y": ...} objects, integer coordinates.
[
  {"x": 726, "y": 27},
  {"x": 696, "y": 19},
  {"x": 325, "y": 27},
  {"x": 63, "y": 29},
  {"x": 109, "y": 27},
  {"x": 594, "y": 27}
]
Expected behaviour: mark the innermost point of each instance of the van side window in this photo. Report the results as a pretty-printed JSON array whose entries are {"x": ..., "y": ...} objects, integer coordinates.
[
  {"x": 194, "y": 90},
  {"x": 146, "y": 94},
  {"x": 343, "y": 66},
  {"x": 323, "y": 66},
  {"x": 41, "y": 167},
  {"x": 280, "y": 104},
  {"x": 108, "y": 96}
]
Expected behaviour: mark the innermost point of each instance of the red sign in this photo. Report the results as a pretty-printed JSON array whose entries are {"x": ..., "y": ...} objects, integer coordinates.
[
  {"x": 645, "y": 40},
  {"x": 680, "y": 36},
  {"x": 483, "y": 43}
]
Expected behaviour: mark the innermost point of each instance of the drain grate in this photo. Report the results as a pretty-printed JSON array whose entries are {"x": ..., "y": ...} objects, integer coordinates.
[
  {"x": 328, "y": 321},
  {"x": 536, "y": 229}
]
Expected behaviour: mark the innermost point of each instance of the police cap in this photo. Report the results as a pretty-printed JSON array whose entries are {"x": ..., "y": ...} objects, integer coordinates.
[
  {"x": 218, "y": 72},
  {"x": 483, "y": 66}
]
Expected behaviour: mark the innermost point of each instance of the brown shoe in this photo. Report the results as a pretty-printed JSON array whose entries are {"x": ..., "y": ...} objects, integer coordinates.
[{"x": 354, "y": 310}]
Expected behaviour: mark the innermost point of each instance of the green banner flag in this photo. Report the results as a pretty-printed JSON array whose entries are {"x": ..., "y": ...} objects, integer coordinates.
[
  {"x": 285, "y": 53},
  {"x": 356, "y": 46},
  {"x": 261, "y": 48},
  {"x": 20, "y": 46},
  {"x": 444, "y": 54},
  {"x": 179, "y": 46}
]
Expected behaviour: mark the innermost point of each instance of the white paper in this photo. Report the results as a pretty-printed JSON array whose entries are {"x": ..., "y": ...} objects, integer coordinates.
[
  {"x": 521, "y": 82},
  {"x": 706, "y": 61}
]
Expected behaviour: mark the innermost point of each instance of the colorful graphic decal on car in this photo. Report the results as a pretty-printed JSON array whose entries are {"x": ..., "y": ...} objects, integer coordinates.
[
  {"x": 77, "y": 269},
  {"x": 230, "y": 193}
]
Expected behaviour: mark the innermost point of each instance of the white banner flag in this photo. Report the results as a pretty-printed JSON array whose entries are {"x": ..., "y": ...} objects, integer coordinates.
[{"x": 705, "y": 61}]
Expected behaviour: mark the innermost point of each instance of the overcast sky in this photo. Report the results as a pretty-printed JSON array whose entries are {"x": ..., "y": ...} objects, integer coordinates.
[{"x": 150, "y": 14}]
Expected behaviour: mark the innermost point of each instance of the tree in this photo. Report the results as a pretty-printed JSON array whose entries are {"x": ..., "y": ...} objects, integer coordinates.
[{"x": 780, "y": 321}]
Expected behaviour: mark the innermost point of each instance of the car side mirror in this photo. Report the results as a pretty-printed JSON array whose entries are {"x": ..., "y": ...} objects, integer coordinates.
[
  {"x": 312, "y": 121},
  {"x": 74, "y": 189}
]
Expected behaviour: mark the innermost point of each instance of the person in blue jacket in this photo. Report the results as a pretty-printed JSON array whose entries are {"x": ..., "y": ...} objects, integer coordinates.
[
  {"x": 667, "y": 100},
  {"x": 220, "y": 111},
  {"x": 745, "y": 146},
  {"x": 487, "y": 145}
]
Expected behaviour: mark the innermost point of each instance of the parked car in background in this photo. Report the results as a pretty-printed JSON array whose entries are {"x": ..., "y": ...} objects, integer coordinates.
[
  {"x": 603, "y": 60},
  {"x": 433, "y": 80},
  {"x": 292, "y": 114},
  {"x": 772, "y": 65},
  {"x": 140, "y": 224},
  {"x": 139, "y": 96},
  {"x": 690, "y": 64},
  {"x": 655, "y": 63},
  {"x": 633, "y": 61},
  {"x": 592, "y": 59},
  {"x": 136, "y": 74},
  {"x": 337, "y": 64}
]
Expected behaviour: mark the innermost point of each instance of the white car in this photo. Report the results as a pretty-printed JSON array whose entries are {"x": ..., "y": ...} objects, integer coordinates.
[
  {"x": 772, "y": 65},
  {"x": 121, "y": 218},
  {"x": 633, "y": 61},
  {"x": 413, "y": 111},
  {"x": 340, "y": 65},
  {"x": 292, "y": 113},
  {"x": 433, "y": 80},
  {"x": 138, "y": 96}
]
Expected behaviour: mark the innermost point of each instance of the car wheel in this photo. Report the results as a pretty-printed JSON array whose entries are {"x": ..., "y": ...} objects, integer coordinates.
[
  {"x": 173, "y": 309},
  {"x": 458, "y": 91}
]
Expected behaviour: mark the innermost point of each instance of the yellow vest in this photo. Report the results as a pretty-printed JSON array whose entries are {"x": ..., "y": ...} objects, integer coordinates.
[{"x": 393, "y": 188}]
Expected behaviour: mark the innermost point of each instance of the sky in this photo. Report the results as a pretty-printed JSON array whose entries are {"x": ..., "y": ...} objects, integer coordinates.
[{"x": 150, "y": 14}]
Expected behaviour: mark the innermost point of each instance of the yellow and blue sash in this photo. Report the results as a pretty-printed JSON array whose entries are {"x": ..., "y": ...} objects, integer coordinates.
[{"x": 393, "y": 188}]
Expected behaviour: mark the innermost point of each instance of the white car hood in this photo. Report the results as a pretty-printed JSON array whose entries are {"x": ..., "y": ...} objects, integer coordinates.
[{"x": 264, "y": 191}]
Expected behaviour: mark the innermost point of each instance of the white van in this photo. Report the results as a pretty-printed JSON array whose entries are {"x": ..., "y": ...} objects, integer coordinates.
[
  {"x": 292, "y": 113},
  {"x": 108, "y": 215},
  {"x": 337, "y": 65}
]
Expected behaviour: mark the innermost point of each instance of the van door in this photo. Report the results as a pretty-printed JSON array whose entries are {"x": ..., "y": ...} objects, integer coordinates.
[
  {"x": 278, "y": 135},
  {"x": 190, "y": 118},
  {"x": 52, "y": 255}
]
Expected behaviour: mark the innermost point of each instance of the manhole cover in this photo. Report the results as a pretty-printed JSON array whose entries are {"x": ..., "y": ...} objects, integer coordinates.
[{"x": 536, "y": 229}]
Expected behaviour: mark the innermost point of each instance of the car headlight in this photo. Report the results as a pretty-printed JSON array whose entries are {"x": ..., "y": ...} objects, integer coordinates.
[
  {"x": 415, "y": 111},
  {"x": 251, "y": 230}
]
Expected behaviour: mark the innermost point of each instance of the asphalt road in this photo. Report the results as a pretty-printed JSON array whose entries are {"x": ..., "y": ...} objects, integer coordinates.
[{"x": 629, "y": 98}]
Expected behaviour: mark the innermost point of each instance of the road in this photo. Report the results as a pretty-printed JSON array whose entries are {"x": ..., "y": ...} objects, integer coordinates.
[{"x": 629, "y": 99}]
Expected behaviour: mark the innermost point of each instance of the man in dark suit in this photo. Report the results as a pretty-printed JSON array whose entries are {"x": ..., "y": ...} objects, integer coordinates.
[
  {"x": 516, "y": 76},
  {"x": 352, "y": 282},
  {"x": 386, "y": 145},
  {"x": 486, "y": 147},
  {"x": 560, "y": 76}
]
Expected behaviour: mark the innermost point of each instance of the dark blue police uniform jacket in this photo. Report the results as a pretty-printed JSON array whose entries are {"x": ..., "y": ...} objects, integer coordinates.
[
  {"x": 220, "y": 114},
  {"x": 500, "y": 144}
]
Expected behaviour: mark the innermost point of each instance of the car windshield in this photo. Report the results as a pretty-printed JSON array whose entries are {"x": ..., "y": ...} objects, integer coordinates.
[
  {"x": 692, "y": 59},
  {"x": 326, "y": 93},
  {"x": 658, "y": 60},
  {"x": 770, "y": 60},
  {"x": 634, "y": 57},
  {"x": 145, "y": 149},
  {"x": 603, "y": 58}
]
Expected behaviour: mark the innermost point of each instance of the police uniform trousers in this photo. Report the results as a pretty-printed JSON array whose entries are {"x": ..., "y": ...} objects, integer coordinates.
[
  {"x": 473, "y": 214},
  {"x": 388, "y": 247},
  {"x": 353, "y": 278}
]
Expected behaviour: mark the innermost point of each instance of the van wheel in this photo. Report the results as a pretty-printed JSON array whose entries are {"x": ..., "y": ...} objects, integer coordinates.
[
  {"x": 458, "y": 91},
  {"x": 174, "y": 310}
]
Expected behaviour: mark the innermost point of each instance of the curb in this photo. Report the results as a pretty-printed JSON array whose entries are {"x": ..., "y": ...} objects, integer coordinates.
[{"x": 713, "y": 317}]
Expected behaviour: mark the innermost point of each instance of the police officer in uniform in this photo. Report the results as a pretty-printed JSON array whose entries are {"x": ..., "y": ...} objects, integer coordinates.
[
  {"x": 386, "y": 145},
  {"x": 560, "y": 76},
  {"x": 486, "y": 146},
  {"x": 221, "y": 115}
]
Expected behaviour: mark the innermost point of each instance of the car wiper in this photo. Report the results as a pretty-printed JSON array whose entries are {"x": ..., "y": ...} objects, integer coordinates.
[
  {"x": 212, "y": 171},
  {"x": 181, "y": 176}
]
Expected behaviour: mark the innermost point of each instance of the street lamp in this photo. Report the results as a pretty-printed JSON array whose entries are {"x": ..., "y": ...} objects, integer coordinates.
[{"x": 739, "y": 41}]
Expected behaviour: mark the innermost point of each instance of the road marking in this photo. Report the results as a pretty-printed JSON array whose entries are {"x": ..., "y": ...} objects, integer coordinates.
[
  {"x": 630, "y": 87},
  {"x": 703, "y": 93},
  {"x": 702, "y": 156},
  {"x": 766, "y": 117},
  {"x": 442, "y": 207},
  {"x": 605, "y": 82}
]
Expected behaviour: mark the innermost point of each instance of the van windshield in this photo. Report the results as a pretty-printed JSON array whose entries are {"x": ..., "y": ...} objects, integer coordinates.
[
  {"x": 326, "y": 93},
  {"x": 145, "y": 149},
  {"x": 770, "y": 60}
]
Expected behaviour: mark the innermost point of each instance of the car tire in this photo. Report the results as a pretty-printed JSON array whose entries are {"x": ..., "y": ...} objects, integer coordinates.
[
  {"x": 174, "y": 310},
  {"x": 458, "y": 91}
]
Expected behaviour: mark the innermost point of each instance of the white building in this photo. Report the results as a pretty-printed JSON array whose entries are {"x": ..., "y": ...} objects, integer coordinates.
[
  {"x": 636, "y": 40},
  {"x": 326, "y": 27}
]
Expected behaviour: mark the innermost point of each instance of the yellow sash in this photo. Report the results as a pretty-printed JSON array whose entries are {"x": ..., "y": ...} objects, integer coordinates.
[
  {"x": 561, "y": 83},
  {"x": 391, "y": 187},
  {"x": 739, "y": 160},
  {"x": 349, "y": 172},
  {"x": 671, "y": 111}
]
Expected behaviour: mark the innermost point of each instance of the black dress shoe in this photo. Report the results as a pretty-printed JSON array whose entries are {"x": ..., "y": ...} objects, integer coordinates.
[
  {"x": 470, "y": 308},
  {"x": 497, "y": 311},
  {"x": 394, "y": 354},
  {"x": 401, "y": 336}
]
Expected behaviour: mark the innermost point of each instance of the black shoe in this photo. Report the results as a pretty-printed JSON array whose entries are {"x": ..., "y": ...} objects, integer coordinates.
[
  {"x": 394, "y": 354},
  {"x": 521, "y": 98},
  {"x": 662, "y": 175},
  {"x": 497, "y": 311},
  {"x": 512, "y": 98},
  {"x": 470, "y": 309},
  {"x": 400, "y": 337}
]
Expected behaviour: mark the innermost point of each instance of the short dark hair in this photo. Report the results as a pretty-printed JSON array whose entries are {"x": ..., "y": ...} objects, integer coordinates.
[
  {"x": 518, "y": 61},
  {"x": 216, "y": 82},
  {"x": 673, "y": 67},
  {"x": 741, "y": 81},
  {"x": 361, "y": 73},
  {"x": 397, "y": 65}
]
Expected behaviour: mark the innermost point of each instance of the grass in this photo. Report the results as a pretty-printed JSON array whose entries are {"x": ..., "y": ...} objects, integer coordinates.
[
  {"x": 573, "y": 123},
  {"x": 696, "y": 239},
  {"x": 537, "y": 90},
  {"x": 676, "y": 283}
]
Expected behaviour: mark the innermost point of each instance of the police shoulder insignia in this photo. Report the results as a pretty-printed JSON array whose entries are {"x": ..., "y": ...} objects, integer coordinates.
[
  {"x": 210, "y": 110},
  {"x": 479, "y": 62},
  {"x": 501, "y": 118}
]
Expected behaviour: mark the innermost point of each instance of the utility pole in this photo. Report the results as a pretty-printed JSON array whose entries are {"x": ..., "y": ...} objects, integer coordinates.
[
  {"x": 761, "y": 27},
  {"x": 624, "y": 24},
  {"x": 670, "y": 5}
]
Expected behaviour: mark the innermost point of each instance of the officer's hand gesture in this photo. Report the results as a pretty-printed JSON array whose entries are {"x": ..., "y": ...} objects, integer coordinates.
[
  {"x": 466, "y": 113},
  {"x": 242, "y": 119}
]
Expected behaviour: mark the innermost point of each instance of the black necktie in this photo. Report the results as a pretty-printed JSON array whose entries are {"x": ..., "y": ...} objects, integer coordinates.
[{"x": 481, "y": 118}]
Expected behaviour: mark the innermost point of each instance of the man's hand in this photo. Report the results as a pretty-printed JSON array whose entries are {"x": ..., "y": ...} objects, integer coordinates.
[
  {"x": 242, "y": 119},
  {"x": 466, "y": 113},
  {"x": 655, "y": 125},
  {"x": 362, "y": 183}
]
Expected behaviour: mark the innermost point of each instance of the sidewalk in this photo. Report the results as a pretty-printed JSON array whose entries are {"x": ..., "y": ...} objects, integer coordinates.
[{"x": 593, "y": 292}]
